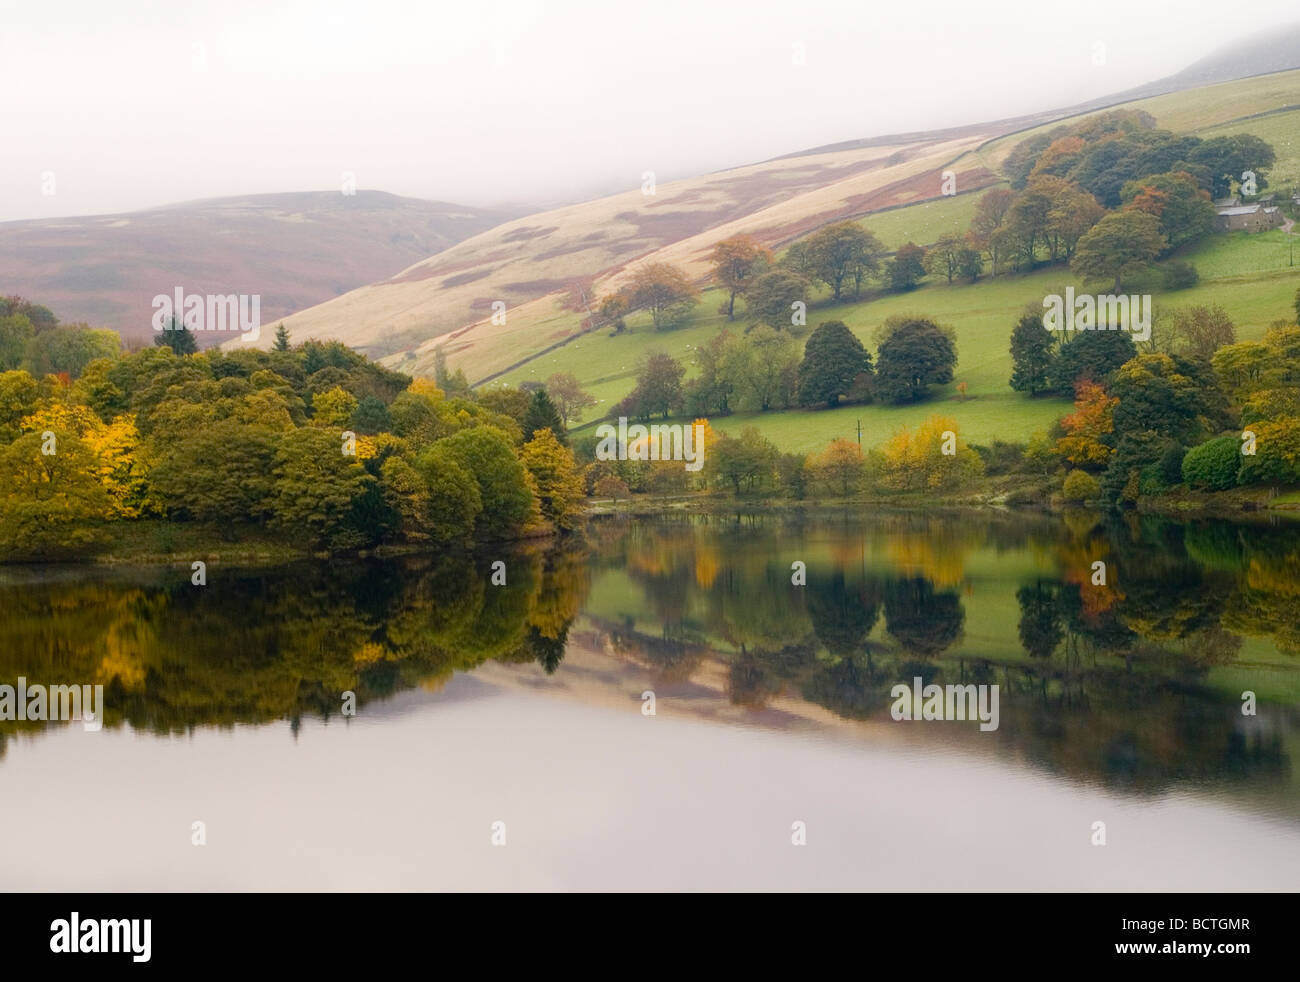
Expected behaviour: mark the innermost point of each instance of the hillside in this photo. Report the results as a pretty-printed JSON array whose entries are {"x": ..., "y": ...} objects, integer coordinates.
[
  {"x": 295, "y": 250},
  {"x": 1250, "y": 276},
  {"x": 546, "y": 268},
  {"x": 542, "y": 266}
]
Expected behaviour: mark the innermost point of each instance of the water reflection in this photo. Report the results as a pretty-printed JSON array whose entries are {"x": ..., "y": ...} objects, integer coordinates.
[{"x": 1136, "y": 682}]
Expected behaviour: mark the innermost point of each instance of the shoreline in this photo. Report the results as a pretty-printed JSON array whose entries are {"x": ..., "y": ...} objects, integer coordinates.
[{"x": 159, "y": 543}]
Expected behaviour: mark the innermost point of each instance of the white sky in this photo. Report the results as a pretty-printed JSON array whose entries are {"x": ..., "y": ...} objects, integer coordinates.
[{"x": 133, "y": 103}]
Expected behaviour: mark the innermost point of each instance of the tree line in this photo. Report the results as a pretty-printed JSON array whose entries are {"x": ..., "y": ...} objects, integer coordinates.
[
  {"x": 764, "y": 369},
  {"x": 315, "y": 443}
]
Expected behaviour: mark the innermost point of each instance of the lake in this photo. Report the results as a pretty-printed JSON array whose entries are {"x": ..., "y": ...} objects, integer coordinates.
[{"x": 684, "y": 702}]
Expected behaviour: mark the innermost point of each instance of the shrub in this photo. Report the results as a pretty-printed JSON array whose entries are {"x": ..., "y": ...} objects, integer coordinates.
[
  {"x": 1277, "y": 456},
  {"x": 610, "y": 486},
  {"x": 1001, "y": 457},
  {"x": 1179, "y": 275},
  {"x": 1081, "y": 486},
  {"x": 1213, "y": 465},
  {"x": 792, "y": 468},
  {"x": 1170, "y": 468}
]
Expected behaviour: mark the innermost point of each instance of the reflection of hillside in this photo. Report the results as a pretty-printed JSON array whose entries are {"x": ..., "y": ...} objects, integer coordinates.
[{"x": 1107, "y": 683}]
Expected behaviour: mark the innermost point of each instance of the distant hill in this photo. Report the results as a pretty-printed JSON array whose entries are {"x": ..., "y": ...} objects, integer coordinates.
[
  {"x": 1276, "y": 50},
  {"x": 294, "y": 249}
]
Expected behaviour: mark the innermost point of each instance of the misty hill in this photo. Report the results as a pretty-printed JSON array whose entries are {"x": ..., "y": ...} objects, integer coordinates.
[
  {"x": 294, "y": 249},
  {"x": 1260, "y": 54},
  {"x": 548, "y": 268}
]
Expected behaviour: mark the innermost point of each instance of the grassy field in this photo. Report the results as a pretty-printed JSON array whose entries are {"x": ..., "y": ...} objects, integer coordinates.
[
  {"x": 1247, "y": 274},
  {"x": 925, "y": 222}
]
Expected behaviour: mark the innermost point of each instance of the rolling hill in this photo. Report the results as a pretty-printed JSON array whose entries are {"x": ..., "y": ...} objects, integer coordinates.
[
  {"x": 548, "y": 268},
  {"x": 294, "y": 249},
  {"x": 1250, "y": 275}
]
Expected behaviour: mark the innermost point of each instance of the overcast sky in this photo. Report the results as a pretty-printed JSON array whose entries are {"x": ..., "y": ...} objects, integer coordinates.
[{"x": 134, "y": 103}]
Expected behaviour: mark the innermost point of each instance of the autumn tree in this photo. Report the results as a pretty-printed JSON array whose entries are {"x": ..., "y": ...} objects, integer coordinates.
[
  {"x": 333, "y": 408},
  {"x": 711, "y": 390},
  {"x": 990, "y": 215},
  {"x": 1089, "y": 442},
  {"x": 844, "y": 252},
  {"x": 507, "y": 400},
  {"x": 1181, "y": 205},
  {"x": 1277, "y": 457},
  {"x": 568, "y": 395},
  {"x": 1072, "y": 213},
  {"x": 16, "y": 333},
  {"x": 1169, "y": 395},
  {"x": 556, "y": 477},
  {"x": 612, "y": 311},
  {"x": 665, "y": 291},
  {"x": 19, "y": 392},
  {"x": 658, "y": 386},
  {"x": 945, "y": 256},
  {"x": 746, "y": 462},
  {"x": 931, "y": 457},
  {"x": 736, "y": 262},
  {"x": 316, "y": 487},
  {"x": 970, "y": 264},
  {"x": 1203, "y": 330},
  {"x": 840, "y": 469},
  {"x": 50, "y": 502},
  {"x": 219, "y": 472},
  {"x": 451, "y": 504},
  {"x": 505, "y": 492},
  {"x": 1120, "y": 243}
]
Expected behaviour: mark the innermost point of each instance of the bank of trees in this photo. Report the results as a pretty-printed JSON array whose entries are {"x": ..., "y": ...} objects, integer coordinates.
[
  {"x": 1111, "y": 195},
  {"x": 1200, "y": 411},
  {"x": 763, "y": 369},
  {"x": 33, "y": 339},
  {"x": 315, "y": 443}
]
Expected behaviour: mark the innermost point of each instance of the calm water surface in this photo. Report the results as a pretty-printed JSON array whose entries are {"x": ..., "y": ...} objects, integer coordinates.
[{"x": 523, "y": 705}]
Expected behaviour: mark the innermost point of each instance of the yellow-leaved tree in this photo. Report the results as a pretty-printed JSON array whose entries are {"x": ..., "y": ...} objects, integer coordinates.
[
  {"x": 121, "y": 465},
  {"x": 932, "y": 457},
  {"x": 559, "y": 485}
]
